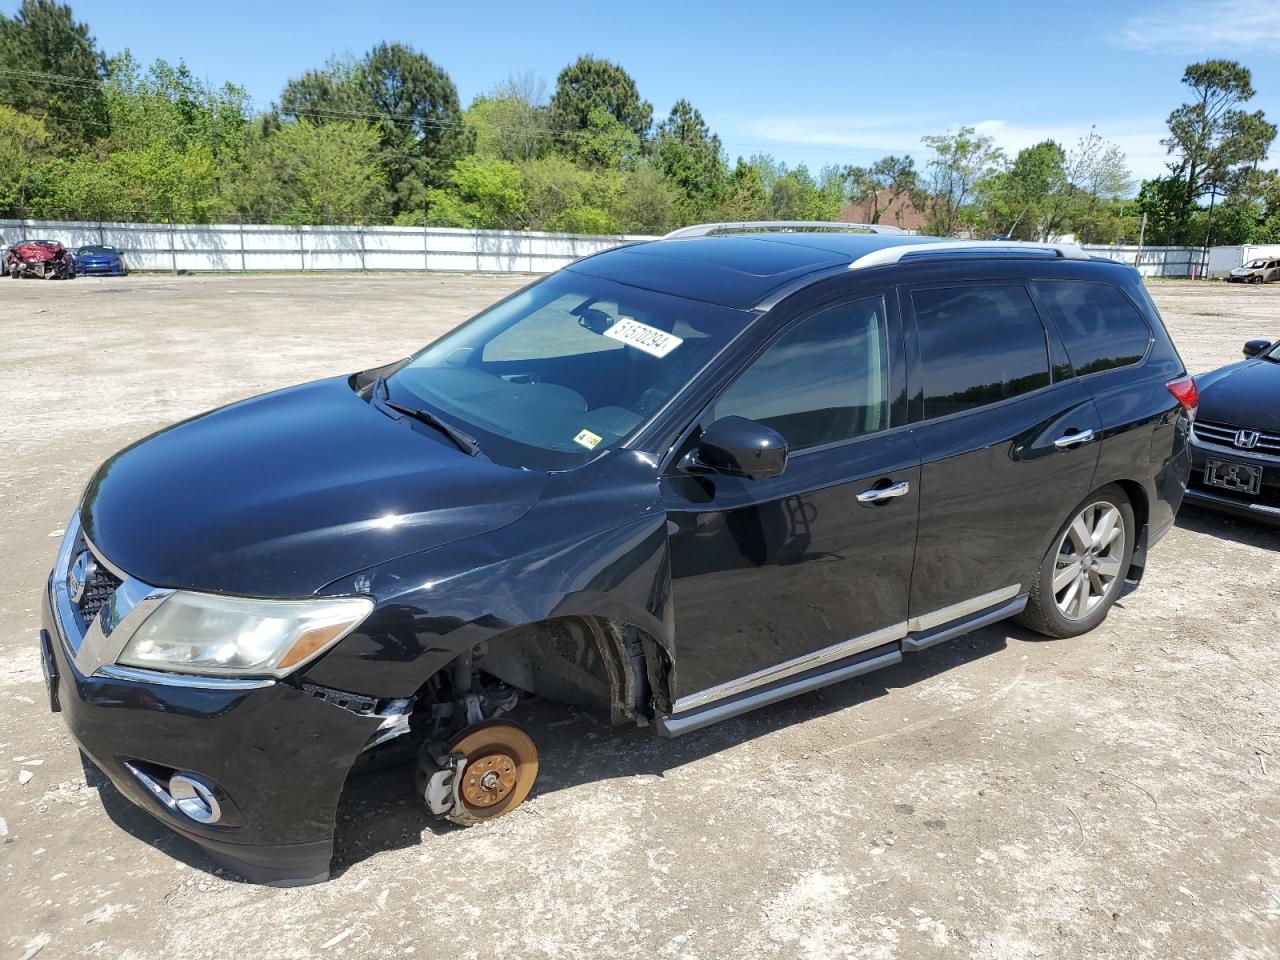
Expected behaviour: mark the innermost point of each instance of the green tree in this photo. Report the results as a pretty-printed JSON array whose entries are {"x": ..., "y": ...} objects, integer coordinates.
[
  {"x": 646, "y": 203},
  {"x": 589, "y": 84},
  {"x": 51, "y": 69},
  {"x": 1096, "y": 179},
  {"x": 745, "y": 195},
  {"x": 510, "y": 122},
  {"x": 1018, "y": 201},
  {"x": 797, "y": 195},
  {"x": 564, "y": 196},
  {"x": 168, "y": 106},
  {"x": 308, "y": 172},
  {"x": 690, "y": 158},
  {"x": 412, "y": 104},
  {"x": 1211, "y": 138},
  {"x": 24, "y": 142},
  {"x": 485, "y": 193},
  {"x": 1168, "y": 211},
  {"x": 960, "y": 162},
  {"x": 878, "y": 187},
  {"x": 606, "y": 143}
]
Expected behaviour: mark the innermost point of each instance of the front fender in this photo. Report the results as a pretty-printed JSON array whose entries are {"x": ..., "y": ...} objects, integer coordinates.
[{"x": 595, "y": 545}]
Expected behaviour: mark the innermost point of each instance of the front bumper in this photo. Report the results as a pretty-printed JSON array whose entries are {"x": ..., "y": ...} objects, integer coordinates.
[
  {"x": 100, "y": 269},
  {"x": 1264, "y": 506},
  {"x": 273, "y": 756}
]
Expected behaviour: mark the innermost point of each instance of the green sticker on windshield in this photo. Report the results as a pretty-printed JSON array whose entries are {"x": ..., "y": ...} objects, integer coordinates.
[{"x": 586, "y": 438}]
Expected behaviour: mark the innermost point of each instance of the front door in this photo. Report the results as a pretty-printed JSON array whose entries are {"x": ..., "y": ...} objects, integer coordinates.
[{"x": 770, "y": 577}]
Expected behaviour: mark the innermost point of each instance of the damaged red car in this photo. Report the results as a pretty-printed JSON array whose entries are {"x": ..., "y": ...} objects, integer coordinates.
[{"x": 41, "y": 259}]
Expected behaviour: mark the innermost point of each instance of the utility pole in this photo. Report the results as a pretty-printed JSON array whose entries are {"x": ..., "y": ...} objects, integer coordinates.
[{"x": 1142, "y": 235}]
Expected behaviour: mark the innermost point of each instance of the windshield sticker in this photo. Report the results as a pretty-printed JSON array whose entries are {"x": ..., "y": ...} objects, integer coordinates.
[
  {"x": 586, "y": 438},
  {"x": 643, "y": 337}
]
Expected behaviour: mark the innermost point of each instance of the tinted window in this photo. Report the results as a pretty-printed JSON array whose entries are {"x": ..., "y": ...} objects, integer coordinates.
[
  {"x": 822, "y": 381},
  {"x": 978, "y": 344},
  {"x": 1100, "y": 327}
]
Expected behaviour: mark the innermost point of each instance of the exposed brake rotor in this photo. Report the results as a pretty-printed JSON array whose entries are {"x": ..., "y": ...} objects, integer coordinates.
[{"x": 501, "y": 764}]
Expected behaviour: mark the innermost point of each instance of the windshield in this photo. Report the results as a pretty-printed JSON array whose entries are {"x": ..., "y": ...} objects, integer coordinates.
[
  {"x": 566, "y": 368},
  {"x": 1255, "y": 264}
]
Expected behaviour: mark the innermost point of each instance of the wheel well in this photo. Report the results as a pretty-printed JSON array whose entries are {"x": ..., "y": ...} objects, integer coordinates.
[
  {"x": 597, "y": 663},
  {"x": 1141, "y": 511}
]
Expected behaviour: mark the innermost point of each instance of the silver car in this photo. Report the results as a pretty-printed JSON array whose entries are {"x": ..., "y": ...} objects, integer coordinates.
[{"x": 1261, "y": 270}]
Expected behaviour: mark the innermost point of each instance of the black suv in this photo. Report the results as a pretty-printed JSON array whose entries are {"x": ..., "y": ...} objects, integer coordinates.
[{"x": 675, "y": 481}]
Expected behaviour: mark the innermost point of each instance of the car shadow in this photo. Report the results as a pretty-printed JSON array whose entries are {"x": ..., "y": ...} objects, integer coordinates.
[
  {"x": 379, "y": 811},
  {"x": 1225, "y": 526}
]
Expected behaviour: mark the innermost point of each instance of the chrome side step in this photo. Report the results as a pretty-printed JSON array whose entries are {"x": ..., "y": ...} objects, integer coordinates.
[
  {"x": 734, "y": 703},
  {"x": 696, "y": 719},
  {"x": 926, "y": 639}
]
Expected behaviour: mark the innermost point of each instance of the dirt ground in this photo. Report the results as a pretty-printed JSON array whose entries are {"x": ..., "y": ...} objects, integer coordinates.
[{"x": 996, "y": 797}]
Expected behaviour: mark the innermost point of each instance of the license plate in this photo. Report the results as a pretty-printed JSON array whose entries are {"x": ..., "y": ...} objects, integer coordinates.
[
  {"x": 1233, "y": 476},
  {"x": 49, "y": 670}
]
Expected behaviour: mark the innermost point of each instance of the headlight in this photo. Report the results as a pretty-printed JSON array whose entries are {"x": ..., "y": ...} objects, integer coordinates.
[{"x": 236, "y": 636}]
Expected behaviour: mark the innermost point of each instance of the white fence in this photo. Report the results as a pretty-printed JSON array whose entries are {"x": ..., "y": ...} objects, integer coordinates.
[
  {"x": 244, "y": 247},
  {"x": 1155, "y": 261}
]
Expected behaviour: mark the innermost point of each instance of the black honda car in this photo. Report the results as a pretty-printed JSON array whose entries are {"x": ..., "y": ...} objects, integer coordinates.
[
  {"x": 1235, "y": 442},
  {"x": 673, "y": 482}
]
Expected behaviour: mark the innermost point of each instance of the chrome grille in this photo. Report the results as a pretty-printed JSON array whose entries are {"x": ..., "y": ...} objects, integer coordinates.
[
  {"x": 1224, "y": 435},
  {"x": 102, "y": 583}
]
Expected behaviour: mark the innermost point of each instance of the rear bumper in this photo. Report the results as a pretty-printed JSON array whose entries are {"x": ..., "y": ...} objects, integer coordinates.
[{"x": 275, "y": 759}]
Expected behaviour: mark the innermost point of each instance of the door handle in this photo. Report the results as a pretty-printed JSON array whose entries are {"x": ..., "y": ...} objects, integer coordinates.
[
  {"x": 881, "y": 494},
  {"x": 1073, "y": 439}
]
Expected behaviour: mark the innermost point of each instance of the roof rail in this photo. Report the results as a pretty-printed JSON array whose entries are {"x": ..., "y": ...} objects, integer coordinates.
[
  {"x": 789, "y": 226},
  {"x": 878, "y": 258}
]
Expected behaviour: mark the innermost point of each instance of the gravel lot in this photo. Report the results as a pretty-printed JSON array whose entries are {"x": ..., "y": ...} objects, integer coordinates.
[{"x": 996, "y": 797}]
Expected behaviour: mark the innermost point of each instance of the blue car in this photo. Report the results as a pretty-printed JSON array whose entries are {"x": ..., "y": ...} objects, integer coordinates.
[{"x": 100, "y": 260}]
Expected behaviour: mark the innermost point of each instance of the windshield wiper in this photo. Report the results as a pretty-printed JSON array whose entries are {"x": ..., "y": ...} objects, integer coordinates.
[{"x": 463, "y": 441}]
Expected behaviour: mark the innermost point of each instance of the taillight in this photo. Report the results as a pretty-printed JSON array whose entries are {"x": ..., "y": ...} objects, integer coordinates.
[{"x": 1185, "y": 392}]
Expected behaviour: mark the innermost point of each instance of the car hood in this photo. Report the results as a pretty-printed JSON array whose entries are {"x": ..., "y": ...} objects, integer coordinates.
[
  {"x": 1244, "y": 271},
  {"x": 1245, "y": 394},
  {"x": 282, "y": 494}
]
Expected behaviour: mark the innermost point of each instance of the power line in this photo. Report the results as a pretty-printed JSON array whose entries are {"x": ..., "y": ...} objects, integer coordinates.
[{"x": 508, "y": 131}]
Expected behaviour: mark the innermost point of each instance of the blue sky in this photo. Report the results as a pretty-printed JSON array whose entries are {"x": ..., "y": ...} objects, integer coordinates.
[{"x": 818, "y": 82}]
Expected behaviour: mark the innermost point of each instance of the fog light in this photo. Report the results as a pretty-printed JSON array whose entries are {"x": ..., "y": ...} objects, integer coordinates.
[{"x": 194, "y": 799}]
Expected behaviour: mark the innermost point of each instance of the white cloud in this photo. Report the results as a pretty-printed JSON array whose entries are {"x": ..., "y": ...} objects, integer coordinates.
[
  {"x": 1205, "y": 27},
  {"x": 860, "y": 139}
]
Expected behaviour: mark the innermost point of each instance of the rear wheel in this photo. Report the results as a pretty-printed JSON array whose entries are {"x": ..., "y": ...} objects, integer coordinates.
[{"x": 1083, "y": 573}]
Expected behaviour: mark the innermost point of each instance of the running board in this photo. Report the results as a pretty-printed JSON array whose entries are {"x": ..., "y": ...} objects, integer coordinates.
[
  {"x": 690, "y": 720},
  {"x": 884, "y": 655},
  {"x": 915, "y": 642}
]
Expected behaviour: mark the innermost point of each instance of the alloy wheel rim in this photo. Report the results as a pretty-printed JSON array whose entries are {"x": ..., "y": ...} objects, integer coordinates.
[{"x": 1089, "y": 559}]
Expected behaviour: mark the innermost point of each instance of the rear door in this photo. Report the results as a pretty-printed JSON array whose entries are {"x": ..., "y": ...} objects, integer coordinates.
[{"x": 1008, "y": 440}]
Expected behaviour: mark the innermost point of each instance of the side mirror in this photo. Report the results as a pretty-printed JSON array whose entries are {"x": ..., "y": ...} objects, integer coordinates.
[
  {"x": 1254, "y": 347},
  {"x": 737, "y": 447}
]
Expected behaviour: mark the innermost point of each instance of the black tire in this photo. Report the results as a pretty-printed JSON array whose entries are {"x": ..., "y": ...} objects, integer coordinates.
[{"x": 1042, "y": 613}]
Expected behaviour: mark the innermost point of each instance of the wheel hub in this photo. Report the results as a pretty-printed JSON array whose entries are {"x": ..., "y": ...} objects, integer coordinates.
[
  {"x": 1089, "y": 560},
  {"x": 488, "y": 780}
]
